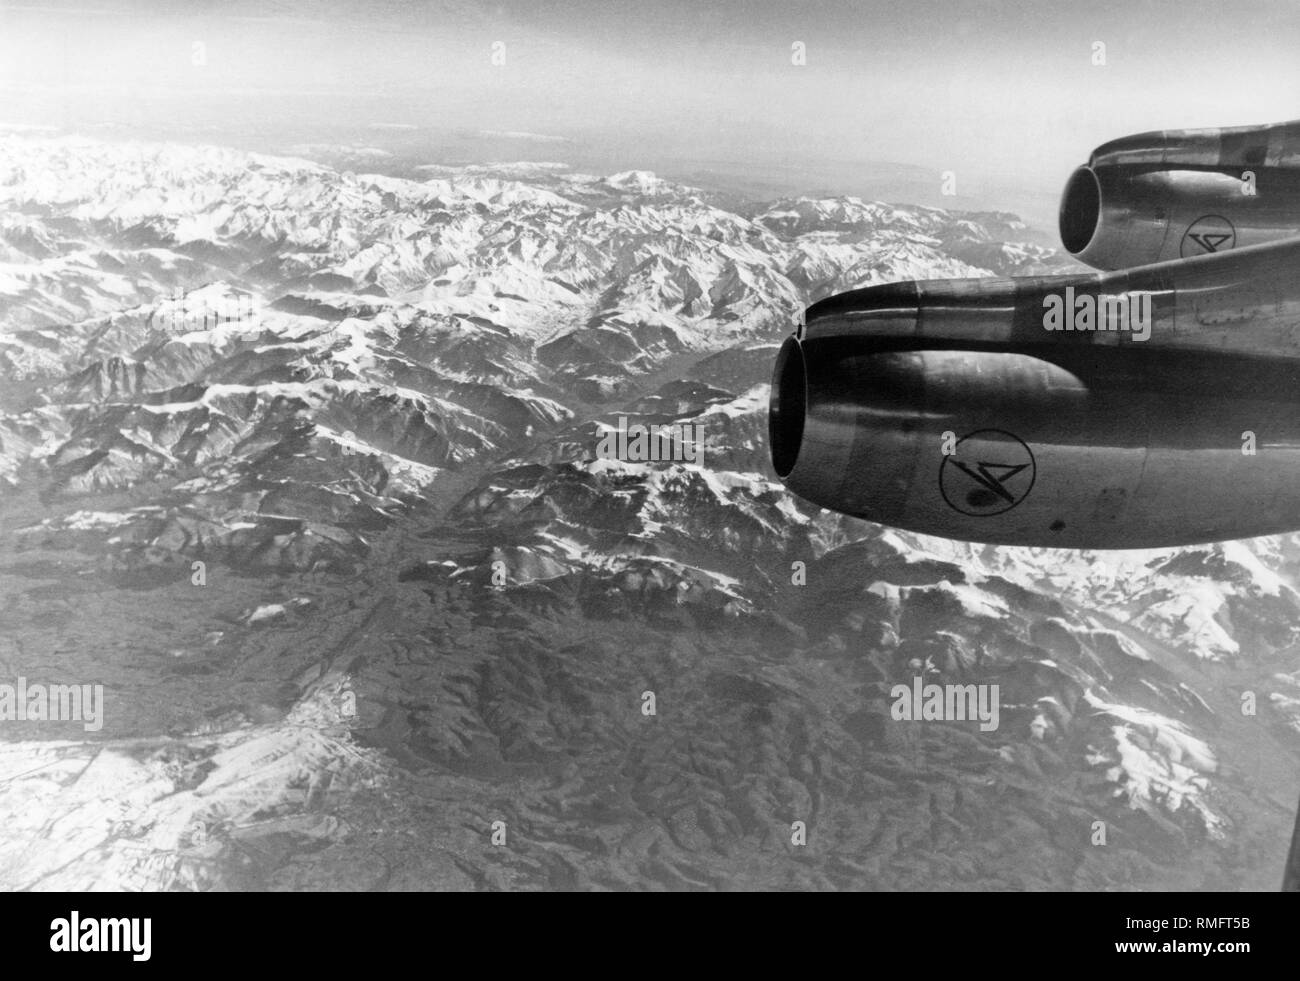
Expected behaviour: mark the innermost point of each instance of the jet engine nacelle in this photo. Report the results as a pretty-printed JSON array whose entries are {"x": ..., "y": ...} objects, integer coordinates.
[
  {"x": 1179, "y": 194},
  {"x": 1153, "y": 407}
]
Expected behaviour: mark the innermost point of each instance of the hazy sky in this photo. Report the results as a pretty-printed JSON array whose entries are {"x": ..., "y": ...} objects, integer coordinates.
[{"x": 998, "y": 91}]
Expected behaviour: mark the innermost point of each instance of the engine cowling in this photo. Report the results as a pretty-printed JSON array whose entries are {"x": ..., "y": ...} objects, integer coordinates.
[
  {"x": 966, "y": 409},
  {"x": 1180, "y": 194}
]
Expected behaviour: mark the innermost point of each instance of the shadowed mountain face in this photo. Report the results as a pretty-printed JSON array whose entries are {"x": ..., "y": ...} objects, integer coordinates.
[{"x": 301, "y": 465}]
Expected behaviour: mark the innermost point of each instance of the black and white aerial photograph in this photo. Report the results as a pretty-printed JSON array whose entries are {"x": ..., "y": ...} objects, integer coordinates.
[{"x": 664, "y": 446}]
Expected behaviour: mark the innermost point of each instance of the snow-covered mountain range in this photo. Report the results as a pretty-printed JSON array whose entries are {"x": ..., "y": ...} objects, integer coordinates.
[{"x": 301, "y": 465}]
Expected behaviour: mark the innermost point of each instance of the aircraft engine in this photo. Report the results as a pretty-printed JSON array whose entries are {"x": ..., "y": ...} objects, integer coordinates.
[
  {"x": 1151, "y": 407},
  {"x": 1180, "y": 194}
]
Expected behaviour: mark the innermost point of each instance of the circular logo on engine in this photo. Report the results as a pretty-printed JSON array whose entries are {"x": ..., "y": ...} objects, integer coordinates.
[
  {"x": 988, "y": 472},
  {"x": 1206, "y": 235}
]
